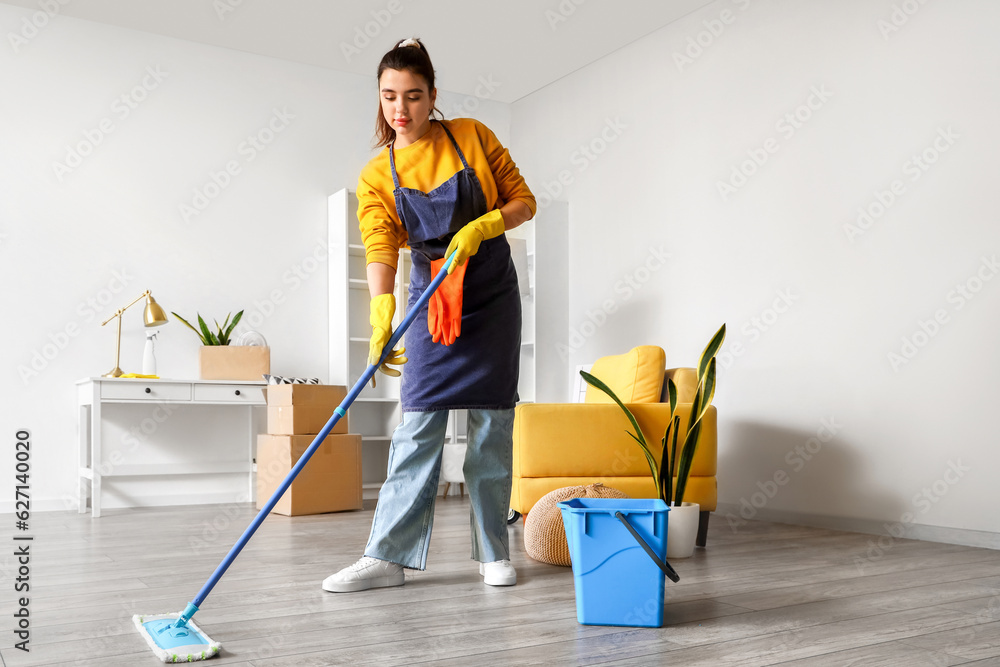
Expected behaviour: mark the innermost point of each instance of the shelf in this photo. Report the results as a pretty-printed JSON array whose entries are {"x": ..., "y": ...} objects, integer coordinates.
[
  {"x": 357, "y": 283},
  {"x": 356, "y": 250},
  {"x": 206, "y": 468}
]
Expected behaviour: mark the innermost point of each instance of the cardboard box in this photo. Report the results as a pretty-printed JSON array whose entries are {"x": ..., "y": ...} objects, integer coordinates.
[
  {"x": 302, "y": 419},
  {"x": 303, "y": 409},
  {"x": 234, "y": 362},
  {"x": 326, "y": 395},
  {"x": 329, "y": 482}
]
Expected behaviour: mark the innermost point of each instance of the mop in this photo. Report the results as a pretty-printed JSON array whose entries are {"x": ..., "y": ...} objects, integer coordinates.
[{"x": 176, "y": 637}]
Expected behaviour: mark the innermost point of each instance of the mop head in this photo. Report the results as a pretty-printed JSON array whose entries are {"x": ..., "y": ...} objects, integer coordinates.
[{"x": 172, "y": 644}]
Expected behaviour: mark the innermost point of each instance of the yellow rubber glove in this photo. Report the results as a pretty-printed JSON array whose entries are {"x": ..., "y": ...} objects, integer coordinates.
[
  {"x": 383, "y": 307},
  {"x": 466, "y": 240}
]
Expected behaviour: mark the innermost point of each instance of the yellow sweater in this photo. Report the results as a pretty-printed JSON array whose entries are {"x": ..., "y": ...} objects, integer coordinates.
[{"x": 424, "y": 165}]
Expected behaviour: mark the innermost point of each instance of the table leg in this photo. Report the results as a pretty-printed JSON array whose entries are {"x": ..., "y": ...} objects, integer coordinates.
[
  {"x": 252, "y": 487},
  {"x": 82, "y": 430},
  {"x": 95, "y": 454}
]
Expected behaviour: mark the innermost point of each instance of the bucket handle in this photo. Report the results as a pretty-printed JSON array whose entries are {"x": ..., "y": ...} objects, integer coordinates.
[{"x": 662, "y": 564}]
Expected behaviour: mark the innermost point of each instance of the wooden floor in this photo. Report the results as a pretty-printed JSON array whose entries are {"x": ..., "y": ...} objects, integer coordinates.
[{"x": 766, "y": 594}]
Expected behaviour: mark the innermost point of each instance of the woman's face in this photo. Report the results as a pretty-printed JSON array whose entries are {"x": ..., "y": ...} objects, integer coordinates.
[{"x": 406, "y": 104}]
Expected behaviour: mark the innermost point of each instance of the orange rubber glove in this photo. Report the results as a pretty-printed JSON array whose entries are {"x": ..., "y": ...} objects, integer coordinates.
[{"x": 444, "y": 310}]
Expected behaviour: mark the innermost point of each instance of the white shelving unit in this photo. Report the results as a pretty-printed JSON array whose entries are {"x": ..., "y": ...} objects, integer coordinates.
[
  {"x": 376, "y": 412},
  {"x": 522, "y": 249}
]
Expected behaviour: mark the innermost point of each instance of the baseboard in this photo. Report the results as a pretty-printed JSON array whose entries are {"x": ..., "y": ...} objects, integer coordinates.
[
  {"x": 159, "y": 500},
  {"x": 729, "y": 513}
]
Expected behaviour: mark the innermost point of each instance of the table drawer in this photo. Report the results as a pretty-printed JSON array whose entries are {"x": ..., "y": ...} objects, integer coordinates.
[
  {"x": 132, "y": 390},
  {"x": 229, "y": 393}
]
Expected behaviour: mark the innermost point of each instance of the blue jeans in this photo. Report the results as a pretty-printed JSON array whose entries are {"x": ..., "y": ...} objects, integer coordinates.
[{"x": 404, "y": 516}]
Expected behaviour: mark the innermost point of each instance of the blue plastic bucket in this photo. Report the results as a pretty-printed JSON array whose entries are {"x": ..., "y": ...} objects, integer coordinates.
[{"x": 616, "y": 581}]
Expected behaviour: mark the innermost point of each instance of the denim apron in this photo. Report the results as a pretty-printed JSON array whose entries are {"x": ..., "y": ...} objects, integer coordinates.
[{"x": 480, "y": 369}]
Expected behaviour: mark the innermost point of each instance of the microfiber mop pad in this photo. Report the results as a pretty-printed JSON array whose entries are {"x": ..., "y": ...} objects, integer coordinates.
[{"x": 173, "y": 644}]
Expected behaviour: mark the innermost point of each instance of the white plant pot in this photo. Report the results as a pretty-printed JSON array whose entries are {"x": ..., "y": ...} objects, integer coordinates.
[{"x": 682, "y": 530}]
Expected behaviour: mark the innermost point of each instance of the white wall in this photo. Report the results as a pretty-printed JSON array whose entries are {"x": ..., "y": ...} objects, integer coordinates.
[
  {"x": 76, "y": 248},
  {"x": 664, "y": 133}
]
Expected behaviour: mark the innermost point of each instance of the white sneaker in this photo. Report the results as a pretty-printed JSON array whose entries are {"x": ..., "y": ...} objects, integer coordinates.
[
  {"x": 366, "y": 573},
  {"x": 498, "y": 573}
]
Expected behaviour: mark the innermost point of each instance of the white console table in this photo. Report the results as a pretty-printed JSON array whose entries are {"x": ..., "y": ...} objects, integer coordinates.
[{"x": 93, "y": 393}]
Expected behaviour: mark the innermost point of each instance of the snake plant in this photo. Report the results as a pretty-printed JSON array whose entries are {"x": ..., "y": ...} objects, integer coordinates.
[
  {"x": 674, "y": 463},
  {"x": 207, "y": 336}
]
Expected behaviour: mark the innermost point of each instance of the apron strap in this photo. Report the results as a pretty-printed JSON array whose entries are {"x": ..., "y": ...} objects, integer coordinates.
[
  {"x": 454, "y": 143},
  {"x": 392, "y": 157}
]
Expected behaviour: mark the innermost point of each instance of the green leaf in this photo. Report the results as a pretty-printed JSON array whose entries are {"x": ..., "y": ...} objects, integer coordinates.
[
  {"x": 232, "y": 325},
  {"x": 711, "y": 350},
  {"x": 203, "y": 341},
  {"x": 696, "y": 405},
  {"x": 673, "y": 445},
  {"x": 686, "y": 460},
  {"x": 666, "y": 479},
  {"x": 649, "y": 456},
  {"x": 707, "y": 389},
  {"x": 209, "y": 336},
  {"x": 672, "y": 395}
]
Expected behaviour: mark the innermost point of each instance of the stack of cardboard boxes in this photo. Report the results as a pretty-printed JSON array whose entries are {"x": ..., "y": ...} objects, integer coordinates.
[{"x": 331, "y": 480}]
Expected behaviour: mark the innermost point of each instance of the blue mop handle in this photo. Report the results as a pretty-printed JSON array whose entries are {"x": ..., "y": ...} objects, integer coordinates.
[{"x": 339, "y": 412}]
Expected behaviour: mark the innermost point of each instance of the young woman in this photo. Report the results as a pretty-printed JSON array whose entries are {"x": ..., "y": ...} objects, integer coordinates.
[{"x": 441, "y": 186}]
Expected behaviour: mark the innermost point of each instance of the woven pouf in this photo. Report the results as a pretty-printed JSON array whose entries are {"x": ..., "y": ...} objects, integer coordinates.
[{"x": 544, "y": 534}]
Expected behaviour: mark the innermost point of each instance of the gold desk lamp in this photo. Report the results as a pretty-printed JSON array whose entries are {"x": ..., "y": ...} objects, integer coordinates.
[{"x": 152, "y": 315}]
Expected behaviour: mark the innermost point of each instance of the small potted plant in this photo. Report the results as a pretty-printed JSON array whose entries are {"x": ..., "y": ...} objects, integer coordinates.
[
  {"x": 675, "y": 462},
  {"x": 218, "y": 360}
]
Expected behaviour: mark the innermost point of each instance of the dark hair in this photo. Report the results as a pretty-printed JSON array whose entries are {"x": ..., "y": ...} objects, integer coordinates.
[{"x": 417, "y": 61}]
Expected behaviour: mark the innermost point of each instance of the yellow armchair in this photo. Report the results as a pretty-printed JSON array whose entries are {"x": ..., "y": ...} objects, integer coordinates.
[{"x": 569, "y": 444}]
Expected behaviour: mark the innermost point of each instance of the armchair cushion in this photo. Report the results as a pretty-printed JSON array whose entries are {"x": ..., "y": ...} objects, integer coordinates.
[{"x": 635, "y": 377}]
